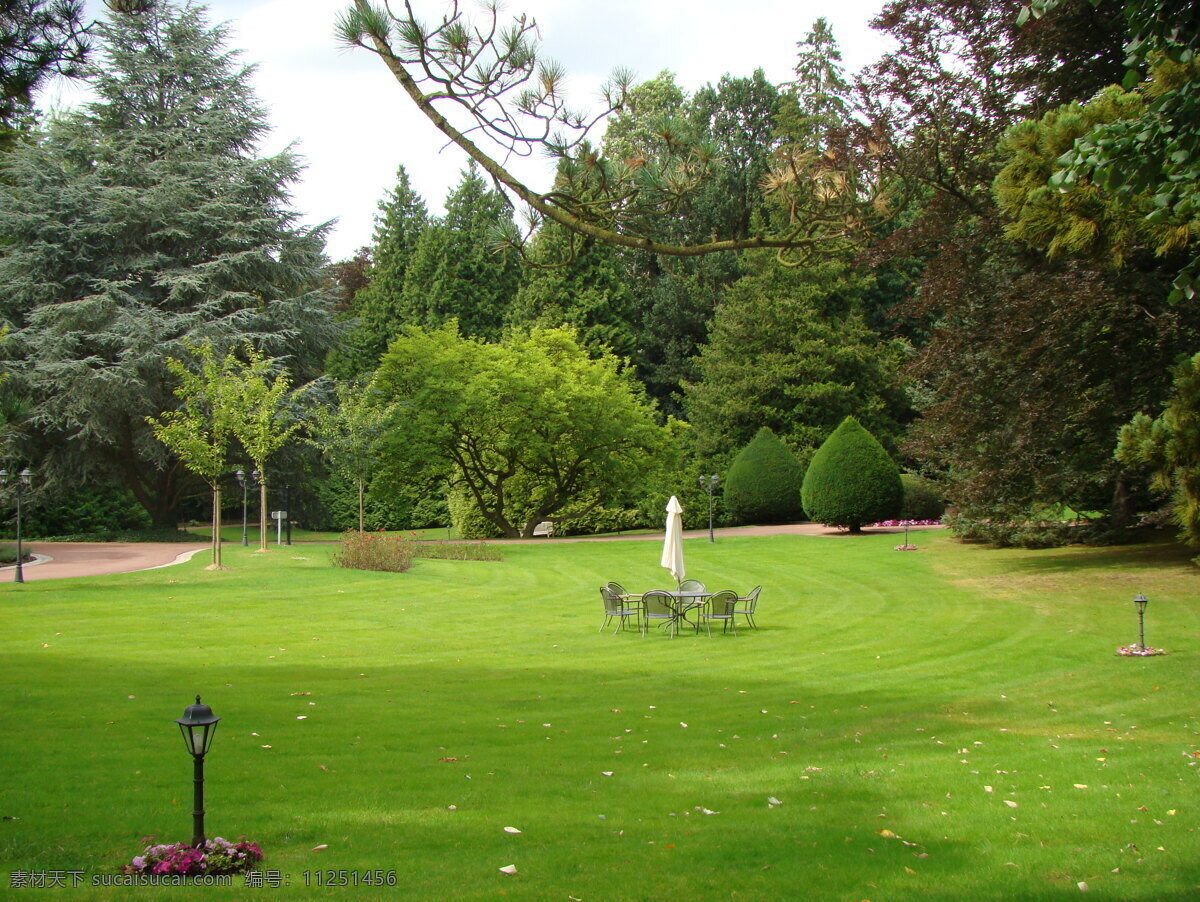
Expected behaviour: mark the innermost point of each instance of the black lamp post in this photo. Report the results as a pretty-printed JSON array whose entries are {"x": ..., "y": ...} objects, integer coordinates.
[
  {"x": 198, "y": 725},
  {"x": 709, "y": 484},
  {"x": 1140, "y": 602},
  {"x": 241, "y": 478},
  {"x": 23, "y": 480}
]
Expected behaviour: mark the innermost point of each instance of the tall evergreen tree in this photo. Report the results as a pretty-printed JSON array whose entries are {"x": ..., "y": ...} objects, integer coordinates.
[
  {"x": 456, "y": 270},
  {"x": 818, "y": 100},
  {"x": 142, "y": 223},
  {"x": 789, "y": 351},
  {"x": 401, "y": 220},
  {"x": 584, "y": 288}
]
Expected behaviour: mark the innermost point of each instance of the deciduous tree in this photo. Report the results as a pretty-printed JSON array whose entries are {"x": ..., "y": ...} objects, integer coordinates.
[
  {"x": 200, "y": 430},
  {"x": 532, "y": 428}
]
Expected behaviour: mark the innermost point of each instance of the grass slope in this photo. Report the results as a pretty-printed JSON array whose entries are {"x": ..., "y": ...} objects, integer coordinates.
[{"x": 946, "y": 724}]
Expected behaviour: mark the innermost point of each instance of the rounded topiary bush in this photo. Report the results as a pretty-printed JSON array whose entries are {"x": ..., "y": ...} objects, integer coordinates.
[
  {"x": 922, "y": 500},
  {"x": 763, "y": 482},
  {"x": 852, "y": 480}
]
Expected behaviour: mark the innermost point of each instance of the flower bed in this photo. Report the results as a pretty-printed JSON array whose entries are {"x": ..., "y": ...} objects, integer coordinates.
[
  {"x": 1139, "y": 651},
  {"x": 216, "y": 856}
]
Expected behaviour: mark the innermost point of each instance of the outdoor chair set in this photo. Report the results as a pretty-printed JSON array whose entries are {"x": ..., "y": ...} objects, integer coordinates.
[{"x": 670, "y": 609}]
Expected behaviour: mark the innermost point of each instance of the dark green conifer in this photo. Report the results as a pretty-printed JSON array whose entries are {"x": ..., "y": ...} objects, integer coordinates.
[
  {"x": 852, "y": 481},
  {"x": 763, "y": 483}
]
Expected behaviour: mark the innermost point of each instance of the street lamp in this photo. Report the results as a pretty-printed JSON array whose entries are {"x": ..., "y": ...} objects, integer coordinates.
[
  {"x": 23, "y": 480},
  {"x": 244, "y": 483},
  {"x": 1140, "y": 602},
  {"x": 709, "y": 484},
  {"x": 198, "y": 725}
]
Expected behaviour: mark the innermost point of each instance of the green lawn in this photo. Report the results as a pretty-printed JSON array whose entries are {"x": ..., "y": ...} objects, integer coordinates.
[{"x": 945, "y": 724}]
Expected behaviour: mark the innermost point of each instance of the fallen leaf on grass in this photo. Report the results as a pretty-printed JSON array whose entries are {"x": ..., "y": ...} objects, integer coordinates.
[
  {"x": 1010, "y": 803},
  {"x": 509, "y": 869},
  {"x": 772, "y": 801},
  {"x": 886, "y": 833},
  {"x": 320, "y": 847},
  {"x": 511, "y": 830}
]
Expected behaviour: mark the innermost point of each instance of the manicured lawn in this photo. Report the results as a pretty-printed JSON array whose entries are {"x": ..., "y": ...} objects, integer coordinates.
[{"x": 945, "y": 724}]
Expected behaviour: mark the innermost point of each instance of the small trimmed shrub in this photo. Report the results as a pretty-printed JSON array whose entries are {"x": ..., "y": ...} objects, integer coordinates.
[
  {"x": 763, "y": 483},
  {"x": 922, "y": 499},
  {"x": 852, "y": 480}
]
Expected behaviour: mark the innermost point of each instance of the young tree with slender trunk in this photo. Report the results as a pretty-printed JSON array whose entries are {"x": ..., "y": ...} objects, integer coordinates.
[
  {"x": 200, "y": 430},
  {"x": 261, "y": 420}
]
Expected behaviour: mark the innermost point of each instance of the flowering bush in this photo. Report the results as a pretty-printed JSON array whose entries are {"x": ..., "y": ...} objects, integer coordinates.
[
  {"x": 1139, "y": 651},
  {"x": 394, "y": 554},
  {"x": 216, "y": 856},
  {"x": 375, "y": 551}
]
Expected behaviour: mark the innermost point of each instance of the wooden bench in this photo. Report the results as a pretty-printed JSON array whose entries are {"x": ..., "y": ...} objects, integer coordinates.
[{"x": 545, "y": 529}]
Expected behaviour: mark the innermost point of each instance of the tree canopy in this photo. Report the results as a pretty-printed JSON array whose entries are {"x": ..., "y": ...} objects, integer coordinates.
[
  {"x": 531, "y": 428},
  {"x": 140, "y": 224}
]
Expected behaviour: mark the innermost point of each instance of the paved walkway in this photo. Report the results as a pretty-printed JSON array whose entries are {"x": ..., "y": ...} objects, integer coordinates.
[{"x": 60, "y": 560}]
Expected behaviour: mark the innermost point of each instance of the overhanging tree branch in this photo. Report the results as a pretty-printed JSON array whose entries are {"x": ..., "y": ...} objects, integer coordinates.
[{"x": 481, "y": 71}]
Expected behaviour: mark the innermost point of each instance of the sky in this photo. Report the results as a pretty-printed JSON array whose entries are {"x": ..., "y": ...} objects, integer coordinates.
[{"x": 351, "y": 124}]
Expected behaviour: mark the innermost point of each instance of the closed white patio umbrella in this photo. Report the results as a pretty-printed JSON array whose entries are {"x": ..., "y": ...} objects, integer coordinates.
[{"x": 672, "y": 556}]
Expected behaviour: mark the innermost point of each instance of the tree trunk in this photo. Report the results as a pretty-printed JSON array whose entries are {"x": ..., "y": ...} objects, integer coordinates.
[
  {"x": 1122, "y": 505},
  {"x": 262, "y": 509},
  {"x": 216, "y": 529}
]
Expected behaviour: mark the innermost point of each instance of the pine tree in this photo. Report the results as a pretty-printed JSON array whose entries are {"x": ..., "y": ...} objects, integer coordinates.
[
  {"x": 455, "y": 271},
  {"x": 818, "y": 100},
  {"x": 140, "y": 224},
  {"x": 401, "y": 220}
]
